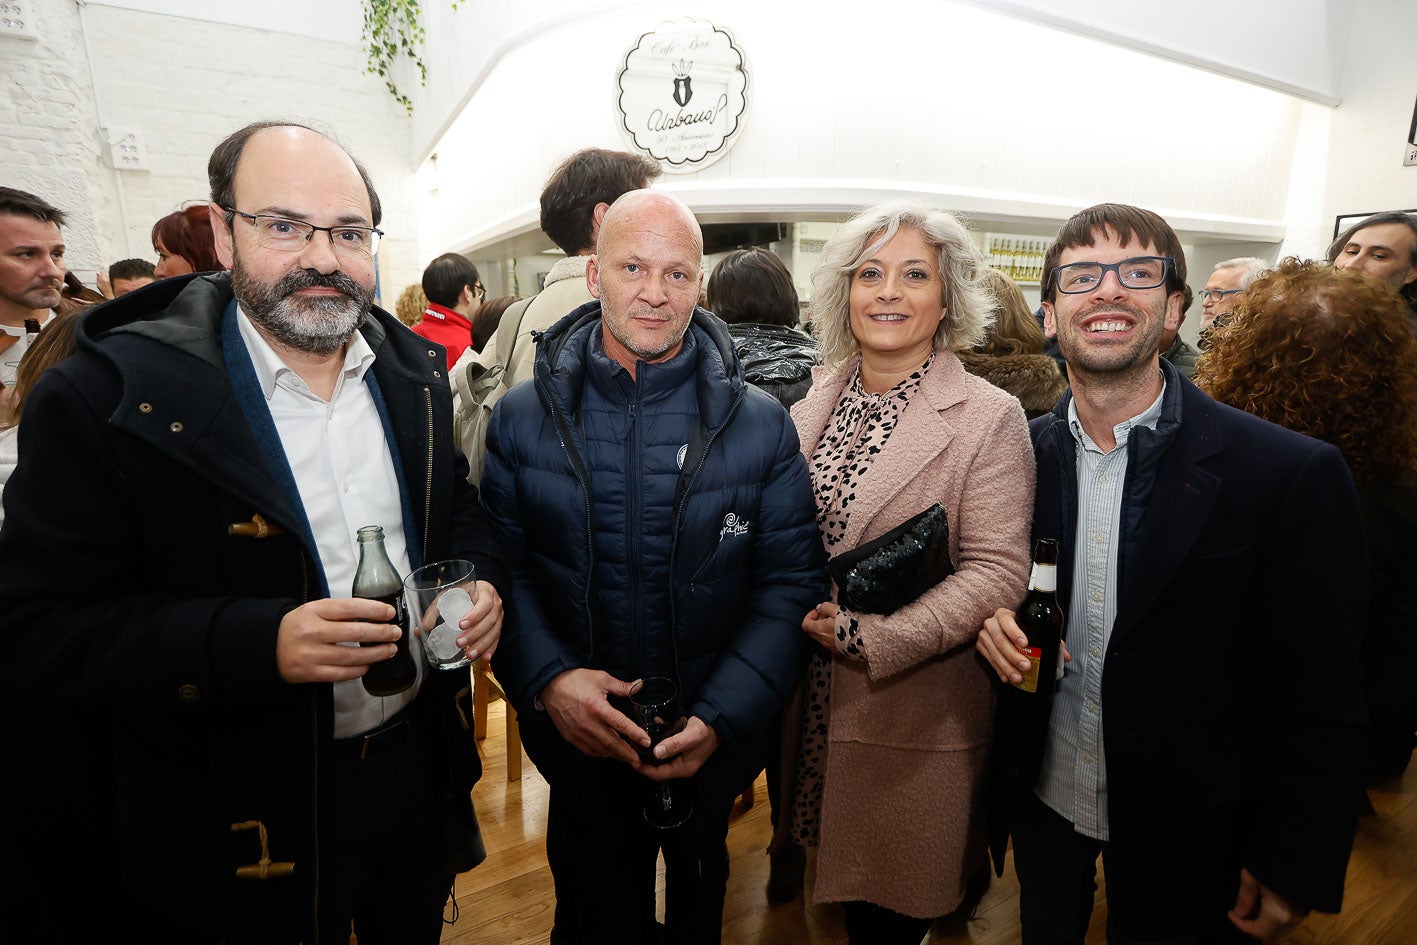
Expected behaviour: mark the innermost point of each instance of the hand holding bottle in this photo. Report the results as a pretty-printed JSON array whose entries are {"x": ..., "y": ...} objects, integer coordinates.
[{"x": 311, "y": 642}]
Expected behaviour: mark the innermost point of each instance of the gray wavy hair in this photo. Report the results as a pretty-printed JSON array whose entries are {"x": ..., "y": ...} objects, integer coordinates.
[
  {"x": 969, "y": 306},
  {"x": 1254, "y": 268}
]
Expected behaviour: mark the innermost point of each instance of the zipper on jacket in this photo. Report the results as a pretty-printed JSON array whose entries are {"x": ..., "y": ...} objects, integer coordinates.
[
  {"x": 428, "y": 482},
  {"x": 678, "y": 526},
  {"x": 563, "y": 434},
  {"x": 632, "y": 513}
]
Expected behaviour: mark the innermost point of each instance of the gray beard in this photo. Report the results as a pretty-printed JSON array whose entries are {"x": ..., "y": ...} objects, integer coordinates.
[{"x": 319, "y": 326}]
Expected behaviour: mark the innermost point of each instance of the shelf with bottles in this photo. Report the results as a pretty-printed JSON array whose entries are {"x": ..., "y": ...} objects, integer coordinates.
[{"x": 1018, "y": 257}]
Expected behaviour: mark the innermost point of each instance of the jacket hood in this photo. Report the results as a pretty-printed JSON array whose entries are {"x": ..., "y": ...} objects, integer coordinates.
[
  {"x": 561, "y": 362},
  {"x": 774, "y": 354}
]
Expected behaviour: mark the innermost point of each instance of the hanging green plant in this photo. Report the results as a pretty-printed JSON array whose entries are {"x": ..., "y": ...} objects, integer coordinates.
[{"x": 393, "y": 30}]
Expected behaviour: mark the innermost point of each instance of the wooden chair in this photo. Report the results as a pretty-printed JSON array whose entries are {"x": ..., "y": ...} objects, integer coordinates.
[{"x": 484, "y": 689}]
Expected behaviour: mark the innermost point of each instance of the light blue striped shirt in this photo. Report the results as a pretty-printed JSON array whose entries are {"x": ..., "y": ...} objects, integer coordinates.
[{"x": 1074, "y": 777}]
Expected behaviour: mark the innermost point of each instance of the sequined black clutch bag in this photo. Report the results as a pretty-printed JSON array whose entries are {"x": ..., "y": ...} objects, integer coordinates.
[{"x": 886, "y": 573}]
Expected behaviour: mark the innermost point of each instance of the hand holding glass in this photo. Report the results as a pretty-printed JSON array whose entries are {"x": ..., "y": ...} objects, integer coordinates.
[
  {"x": 439, "y": 596},
  {"x": 657, "y": 710}
]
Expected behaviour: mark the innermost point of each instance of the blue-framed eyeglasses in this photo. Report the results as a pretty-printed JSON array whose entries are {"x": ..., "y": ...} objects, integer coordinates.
[{"x": 1139, "y": 272}]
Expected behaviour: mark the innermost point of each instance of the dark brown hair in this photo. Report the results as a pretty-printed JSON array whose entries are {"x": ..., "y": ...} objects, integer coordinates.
[
  {"x": 752, "y": 285},
  {"x": 446, "y": 277},
  {"x": 19, "y": 203},
  {"x": 1122, "y": 223},
  {"x": 589, "y": 177},
  {"x": 488, "y": 318},
  {"x": 188, "y": 233},
  {"x": 1327, "y": 352}
]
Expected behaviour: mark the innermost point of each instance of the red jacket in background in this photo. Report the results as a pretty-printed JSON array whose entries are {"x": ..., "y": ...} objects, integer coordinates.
[{"x": 447, "y": 328}]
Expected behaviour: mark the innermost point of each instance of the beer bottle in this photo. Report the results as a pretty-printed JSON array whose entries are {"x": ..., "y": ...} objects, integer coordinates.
[
  {"x": 1040, "y": 617},
  {"x": 378, "y": 579}
]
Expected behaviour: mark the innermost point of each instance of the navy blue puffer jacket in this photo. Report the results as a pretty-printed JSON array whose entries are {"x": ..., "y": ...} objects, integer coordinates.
[{"x": 658, "y": 525}]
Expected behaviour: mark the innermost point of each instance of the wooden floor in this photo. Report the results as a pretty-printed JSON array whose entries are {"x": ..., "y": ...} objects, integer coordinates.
[{"x": 508, "y": 899}]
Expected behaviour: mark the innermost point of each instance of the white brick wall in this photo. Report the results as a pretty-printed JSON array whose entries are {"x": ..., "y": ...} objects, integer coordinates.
[{"x": 185, "y": 84}]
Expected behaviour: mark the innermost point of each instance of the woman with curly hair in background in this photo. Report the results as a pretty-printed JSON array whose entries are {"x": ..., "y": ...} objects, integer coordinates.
[{"x": 1331, "y": 353}]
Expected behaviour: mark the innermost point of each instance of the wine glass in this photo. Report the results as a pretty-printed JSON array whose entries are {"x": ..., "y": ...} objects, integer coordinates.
[{"x": 658, "y": 711}]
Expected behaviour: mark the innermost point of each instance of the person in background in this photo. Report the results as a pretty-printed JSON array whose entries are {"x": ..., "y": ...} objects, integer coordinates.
[
  {"x": 183, "y": 242},
  {"x": 897, "y": 708},
  {"x": 1011, "y": 356},
  {"x": 411, "y": 305},
  {"x": 1383, "y": 245},
  {"x": 1329, "y": 353},
  {"x": 1174, "y": 349},
  {"x": 573, "y": 203},
  {"x": 752, "y": 291},
  {"x": 200, "y": 727},
  {"x": 488, "y": 318},
  {"x": 1227, "y": 282},
  {"x": 455, "y": 295},
  {"x": 75, "y": 295},
  {"x": 53, "y": 345},
  {"x": 124, "y": 276},
  {"x": 657, "y": 518},
  {"x": 1206, "y": 739},
  {"x": 32, "y": 273}
]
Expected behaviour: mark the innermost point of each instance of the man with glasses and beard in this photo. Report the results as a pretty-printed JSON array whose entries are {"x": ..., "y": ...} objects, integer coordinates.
[
  {"x": 1206, "y": 738},
  {"x": 203, "y": 757}
]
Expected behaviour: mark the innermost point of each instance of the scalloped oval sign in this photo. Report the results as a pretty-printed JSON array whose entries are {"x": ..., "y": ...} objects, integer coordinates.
[{"x": 683, "y": 93}]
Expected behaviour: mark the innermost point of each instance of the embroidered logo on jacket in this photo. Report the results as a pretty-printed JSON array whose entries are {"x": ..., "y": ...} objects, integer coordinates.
[{"x": 732, "y": 525}]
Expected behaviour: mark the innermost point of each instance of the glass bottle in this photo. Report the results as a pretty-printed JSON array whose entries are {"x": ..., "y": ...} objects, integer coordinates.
[
  {"x": 1041, "y": 618},
  {"x": 378, "y": 579}
]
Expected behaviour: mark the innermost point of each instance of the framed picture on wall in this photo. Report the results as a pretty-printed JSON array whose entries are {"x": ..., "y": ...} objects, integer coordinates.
[{"x": 1344, "y": 220}]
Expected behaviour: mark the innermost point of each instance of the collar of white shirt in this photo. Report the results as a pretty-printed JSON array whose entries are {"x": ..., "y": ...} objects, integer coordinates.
[{"x": 270, "y": 369}]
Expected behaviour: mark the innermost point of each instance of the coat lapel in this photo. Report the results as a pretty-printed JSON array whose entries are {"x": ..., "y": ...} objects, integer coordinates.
[
  {"x": 921, "y": 435},
  {"x": 1180, "y": 506}
]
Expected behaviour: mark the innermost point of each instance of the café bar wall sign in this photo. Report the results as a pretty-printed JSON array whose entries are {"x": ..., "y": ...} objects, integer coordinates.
[{"x": 683, "y": 92}]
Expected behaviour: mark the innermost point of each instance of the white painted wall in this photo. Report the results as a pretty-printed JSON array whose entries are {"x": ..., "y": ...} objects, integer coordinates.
[
  {"x": 185, "y": 83},
  {"x": 1293, "y": 46},
  {"x": 1364, "y": 171},
  {"x": 982, "y": 113}
]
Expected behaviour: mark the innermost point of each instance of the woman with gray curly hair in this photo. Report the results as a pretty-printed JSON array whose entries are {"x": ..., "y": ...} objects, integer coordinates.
[{"x": 896, "y": 709}]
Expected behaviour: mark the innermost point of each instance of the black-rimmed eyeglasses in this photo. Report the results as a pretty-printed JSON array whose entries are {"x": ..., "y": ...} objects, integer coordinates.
[
  {"x": 281, "y": 234},
  {"x": 1139, "y": 272},
  {"x": 1217, "y": 295}
]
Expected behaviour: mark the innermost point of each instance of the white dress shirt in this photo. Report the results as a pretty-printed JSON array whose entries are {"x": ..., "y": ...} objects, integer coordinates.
[{"x": 346, "y": 477}]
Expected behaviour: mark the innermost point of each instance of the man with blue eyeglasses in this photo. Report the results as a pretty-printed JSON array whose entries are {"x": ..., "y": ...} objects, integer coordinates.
[
  {"x": 175, "y": 593},
  {"x": 1206, "y": 737}
]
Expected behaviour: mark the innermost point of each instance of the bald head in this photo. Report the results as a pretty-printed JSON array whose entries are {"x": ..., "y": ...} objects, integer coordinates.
[
  {"x": 646, "y": 272},
  {"x": 222, "y": 166},
  {"x": 651, "y": 210}
]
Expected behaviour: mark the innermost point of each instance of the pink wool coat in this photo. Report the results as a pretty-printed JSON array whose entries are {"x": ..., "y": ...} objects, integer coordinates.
[{"x": 902, "y": 815}]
